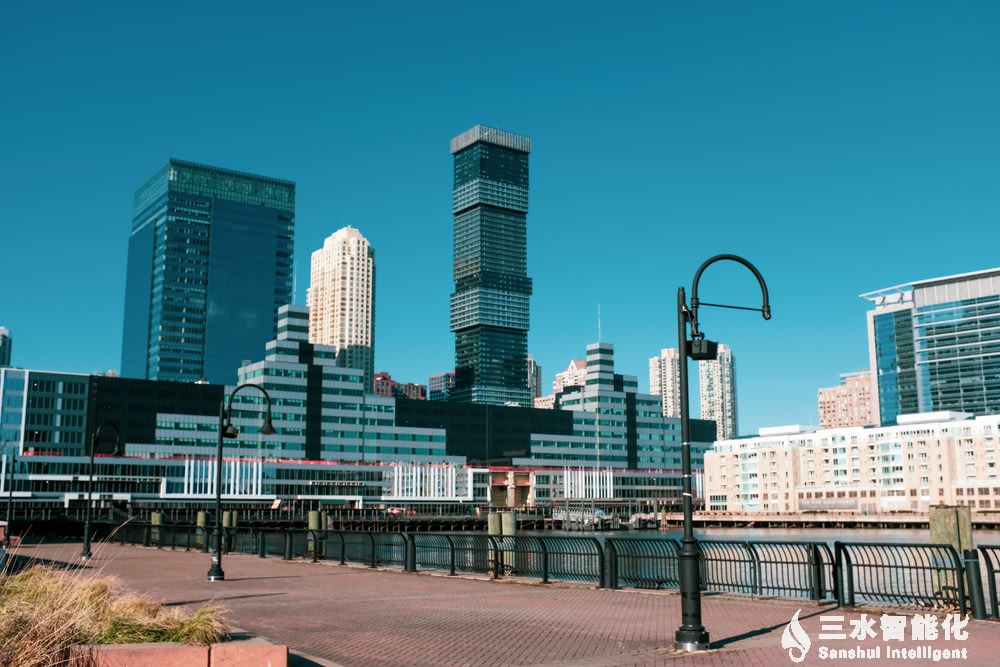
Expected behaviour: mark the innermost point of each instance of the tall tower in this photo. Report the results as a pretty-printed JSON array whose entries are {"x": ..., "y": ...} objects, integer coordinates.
[
  {"x": 341, "y": 300},
  {"x": 489, "y": 307},
  {"x": 665, "y": 380},
  {"x": 6, "y": 347},
  {"x": 209, "y": 264},
  {"x": 717, "y": 384}
]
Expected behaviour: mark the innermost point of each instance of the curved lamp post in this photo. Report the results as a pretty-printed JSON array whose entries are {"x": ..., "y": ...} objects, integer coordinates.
[
  {"x": 227, "y": 430},
  {"x": 94, "y": 439},
  {"x": 692, "y": 635}
]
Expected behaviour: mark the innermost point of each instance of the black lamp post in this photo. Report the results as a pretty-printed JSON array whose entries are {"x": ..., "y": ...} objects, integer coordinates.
[
  {"x": 692, "y": 635},
  {"x": 10, "y": 497},
  {"x": 227, "y": 430},
  {"x": 85, "y": 552}
]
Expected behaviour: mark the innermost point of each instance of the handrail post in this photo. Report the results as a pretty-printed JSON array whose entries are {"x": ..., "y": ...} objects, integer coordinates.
[
  {"x": 602, "y": 579},
  {"x": 371, "y": 537},
  {"x": 755, "y": 583},
  {"x": 545, "y": 560},
  {"x": 959, "y": 579},
  {"x": 262, "y": 546},
  {"x": 410, "y": 562},
  {"x": 146, "y": 535},
  {"x": 343, "y": 548},
  {"x": 315, "y": 544},
  {"x": 612, "y": 560},
  {"x": 975, "y": 575},
  {"x": 991, "y": 582},
  {"x": 288, "y": 544},
  {"x": 451, "y": 555},
  {"x": 497, "y": 565},
  {"x": 815, "y": 572}
]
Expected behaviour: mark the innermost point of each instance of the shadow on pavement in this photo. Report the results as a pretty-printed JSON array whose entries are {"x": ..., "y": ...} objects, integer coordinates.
[
  {"x": 763, "y": 631},
  {"x": 181, "y": 603}
]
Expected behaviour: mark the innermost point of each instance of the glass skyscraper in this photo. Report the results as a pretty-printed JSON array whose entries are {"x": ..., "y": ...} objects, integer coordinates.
[
  {"x": 489, "y": 308},
  {"x": 209, "y": 263},
  {"x": 935, "y": 345}
]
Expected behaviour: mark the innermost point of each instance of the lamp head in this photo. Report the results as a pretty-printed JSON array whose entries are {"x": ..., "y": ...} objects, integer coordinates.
[
  {"x": 267, "y": 428},
  {"x": 702, "y": 349},
  {"x": 229, "y": 431}
]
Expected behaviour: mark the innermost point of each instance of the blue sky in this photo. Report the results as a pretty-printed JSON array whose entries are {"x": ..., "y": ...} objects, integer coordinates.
[{"x": 842, "y": 147}]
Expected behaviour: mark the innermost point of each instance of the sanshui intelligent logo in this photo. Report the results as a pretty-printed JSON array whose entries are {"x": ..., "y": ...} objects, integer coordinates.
[{"x": 795, "y": 639}]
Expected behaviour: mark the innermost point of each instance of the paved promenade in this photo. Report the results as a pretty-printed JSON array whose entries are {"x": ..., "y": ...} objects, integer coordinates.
[{"x": 355, "y": 616}]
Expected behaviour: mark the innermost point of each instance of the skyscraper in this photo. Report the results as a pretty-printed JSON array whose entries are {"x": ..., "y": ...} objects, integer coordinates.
[
  {"x": 209, "y": 263},
  {"x": 933, "y": 346},
  {"x": 665, "y": 380},
  {"x": 849, "y": 403},
  {"x": 489, "y": 307},
  {"x": 717, "y": 384},
  {"x": 575, "y": 375},
  {"x": 341, "y": 300},
  {"x": 534, "y": 378},
  {"x": 439, "y": 386},
  {"x": 6, "y": 347}
]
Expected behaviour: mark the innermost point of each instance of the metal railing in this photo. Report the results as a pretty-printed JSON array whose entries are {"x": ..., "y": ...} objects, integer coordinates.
[
  {"x": 851, "y": 573},
  {"x": 923, "y": 575}
]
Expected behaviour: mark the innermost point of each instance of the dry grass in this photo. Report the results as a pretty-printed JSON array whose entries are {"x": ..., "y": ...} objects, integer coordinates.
[{"x": 44, "y": 611}]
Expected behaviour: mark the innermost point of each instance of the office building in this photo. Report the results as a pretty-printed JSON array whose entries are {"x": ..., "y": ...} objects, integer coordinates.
[
  {"x": 534, "y": 378},
  {"x": 341, "y": 300},
  {"x": 6, "y": 347},
  {"x": 934, "y": 345},
  {"x": 489, "y": 307},
  {"x": 849, "y": 403},
  {"x": 43, "y": 411},
  {"x": 925, "y": 459},
  {"x": 439, "y": 386},
  {"x": 665, "y": 380},
  {"x": 209, "y": 263},
  {"x": 717, "y": 388},
  {"x": 575, "y": 375}
]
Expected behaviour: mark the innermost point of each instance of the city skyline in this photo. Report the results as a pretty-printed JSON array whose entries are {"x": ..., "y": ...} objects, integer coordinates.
[{"x": 765, "y": 144}]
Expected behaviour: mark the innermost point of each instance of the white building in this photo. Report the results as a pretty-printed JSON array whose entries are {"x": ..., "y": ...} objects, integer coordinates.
[
  {"x": 575, "y": 375},
  {"x": 717, "y": 384},
  {"x": 341, "y": 300},
  {"x": 665, "y": 380}
]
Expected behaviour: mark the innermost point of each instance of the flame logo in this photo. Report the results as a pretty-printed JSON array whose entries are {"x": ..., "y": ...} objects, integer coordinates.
[{"x": 794, "y": 638}]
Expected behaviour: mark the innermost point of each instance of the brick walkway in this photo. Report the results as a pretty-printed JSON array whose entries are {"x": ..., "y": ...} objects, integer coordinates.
[{"x": 359, "y": 617}]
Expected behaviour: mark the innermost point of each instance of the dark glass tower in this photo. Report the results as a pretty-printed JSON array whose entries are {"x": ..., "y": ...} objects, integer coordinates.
[
  {"x": 209, "y": 263},
  {"x": 489, "y": 308}
]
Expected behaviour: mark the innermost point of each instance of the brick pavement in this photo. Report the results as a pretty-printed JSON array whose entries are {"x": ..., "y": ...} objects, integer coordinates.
[{"x": 355, "y": 616}]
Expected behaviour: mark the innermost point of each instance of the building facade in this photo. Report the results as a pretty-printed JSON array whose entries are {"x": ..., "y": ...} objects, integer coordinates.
[
  {"x": 534, "y": 378},
  {"x": 384, "y": 385},
  {"x": 934, "y": 345},
  {"x": 926, "y": 459},
  {"x": 44, "y": 411},
  {"x": 439, "y": 386},
  {"x": 341, "y": 299},
  {"x": 575, "y": 375},
  {"x": 665, "y": 380},
  {"x": 717, "y": 389},
  {"x": 209, "y": 263},
  {"x": 6, "y": 347},
  {"x": 847, "y": 404},
  {"x": 489, "y": 307}
]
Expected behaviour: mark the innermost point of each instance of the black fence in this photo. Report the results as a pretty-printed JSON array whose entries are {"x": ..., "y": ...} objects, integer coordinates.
[{"x": 850, "y": 573}]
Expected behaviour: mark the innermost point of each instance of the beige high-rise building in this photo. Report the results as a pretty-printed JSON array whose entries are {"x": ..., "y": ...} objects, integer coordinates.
[
  {"x": 575, "y": 375},
  {"x": 665, "y": 380},
  {"x": 849, "y": 403},
  {"x": 341, "y": 299},
  {"x": 717, "y": 385}
]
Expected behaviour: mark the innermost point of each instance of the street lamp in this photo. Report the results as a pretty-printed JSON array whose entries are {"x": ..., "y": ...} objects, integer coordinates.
[
  {"x": 228, "y": 430},
  {"x": 85, "y": 552},
  {"x": 692, "y": 635},
  {"x": 10, "y": 496}
]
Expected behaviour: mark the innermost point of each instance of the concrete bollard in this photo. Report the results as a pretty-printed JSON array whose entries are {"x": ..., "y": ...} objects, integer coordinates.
[
  {"x": 155, "y": 521},
  {"x": 493, "y": 524},
  {"x": 201, "y": 521},
  {"x": 314, "y": 523},
  {"x": 508, "y": 523}
]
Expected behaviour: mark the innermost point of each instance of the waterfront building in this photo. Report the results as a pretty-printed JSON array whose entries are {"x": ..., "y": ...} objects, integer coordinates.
[
  {"x": 665, "y": 380},
  {"x": 614, "y": 426},
  {"x": 439, "y": 386},
  {"x": 934, "y": 346},
  {"x": 717, "y": 389},
  {"x": 849, "y": 403},
  {"x": 209, "y": 263},
  {"x": 489, "y": 307},
  {"x": 341, "y": 300},
  {"x": 534, "y": 378},
  {"x": 575, "y": 375},
  {"x": 925, "y": 459},
  {"x": 6, "y": 347},
  {"x": 321, "y": 411},
  {"x": 44, "y": 411},
  {"x": 384, "y": 385}
]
